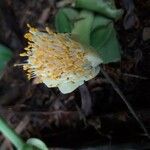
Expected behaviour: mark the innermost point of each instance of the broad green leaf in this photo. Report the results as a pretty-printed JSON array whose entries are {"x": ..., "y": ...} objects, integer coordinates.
[
  {"x": 82, "y": 27},
  {"x": 101, "y": 31},
  {"x": 100, "y": 20},
  {"x": 5, "y": 56},
  {"x": 111, "y": 51},
  {"x": 104, "y": 40},
  {"x": 104, "y": 7},
  {"x": 64, "y": 20}
]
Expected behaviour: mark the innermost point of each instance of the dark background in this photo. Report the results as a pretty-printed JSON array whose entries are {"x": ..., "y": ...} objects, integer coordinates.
[{"x": 58, "y": 119}]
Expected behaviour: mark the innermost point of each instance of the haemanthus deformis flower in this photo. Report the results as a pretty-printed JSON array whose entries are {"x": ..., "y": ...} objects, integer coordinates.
[{"x": 59, "y": 61}]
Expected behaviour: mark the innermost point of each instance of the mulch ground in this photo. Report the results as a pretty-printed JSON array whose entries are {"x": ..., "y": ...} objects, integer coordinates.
[{"x": 59, "y": 120}]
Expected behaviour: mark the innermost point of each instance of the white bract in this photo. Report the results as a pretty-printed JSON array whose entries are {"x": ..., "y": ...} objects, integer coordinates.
[{"x": 59, "y": 61}]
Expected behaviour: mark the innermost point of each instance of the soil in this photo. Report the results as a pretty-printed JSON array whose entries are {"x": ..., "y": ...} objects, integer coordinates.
[{"x": 62, "y": 120}]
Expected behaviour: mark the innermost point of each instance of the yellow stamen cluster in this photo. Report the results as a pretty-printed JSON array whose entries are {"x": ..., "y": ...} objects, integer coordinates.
[{"x": 58, "y": 61}]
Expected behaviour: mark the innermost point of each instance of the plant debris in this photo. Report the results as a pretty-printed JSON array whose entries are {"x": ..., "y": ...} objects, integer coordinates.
[{"x": 92, "y": 115}]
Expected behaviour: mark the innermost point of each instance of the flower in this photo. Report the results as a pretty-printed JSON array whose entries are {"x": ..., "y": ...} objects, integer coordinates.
[{"x": 59, "y": 61}]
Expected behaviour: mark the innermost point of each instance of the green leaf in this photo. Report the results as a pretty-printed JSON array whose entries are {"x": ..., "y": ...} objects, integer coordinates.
[
  {"x": 101, "y": 31},
  {"x": 104, "y": 40},
  {"x": 82, "y": 27},
  {"x": 5, "y": 56},
  {"x": 37, "y": 143},
  {"x": 64, "y": 20},
  {"x": 104, "y": 7},
  {"x": 10, "y": 133},
  {"x": 96, "y": 31},
  {"x": 28, "y": 147}
]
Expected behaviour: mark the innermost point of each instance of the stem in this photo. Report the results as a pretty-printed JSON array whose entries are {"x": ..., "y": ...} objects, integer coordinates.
[{"x": 10, "y": 134}]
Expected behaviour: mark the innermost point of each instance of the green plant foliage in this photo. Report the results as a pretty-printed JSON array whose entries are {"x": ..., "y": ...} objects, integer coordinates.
[
  {"x": 16, "y": 140},
  {"x": 9, "y": 133},
  {"x": 5, "y": 56},
  {"x": 104, "y": 7},
  {"x": 82, "y": 27},
  {"x": 28, "y": 147},
  {"x": 37, "y": 143},
  {"x": 103, "y": 39},
  {"x": 101, "y": 31},
  {"x": 64, "y": 20},
  {"x": 94, "y": 26}
]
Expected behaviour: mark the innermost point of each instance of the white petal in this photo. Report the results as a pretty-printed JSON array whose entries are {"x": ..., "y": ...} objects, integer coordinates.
[
  {"x": 51, "y": 83},
  {"x": 69, "y": 87},
  {"x": 94, "y": 73},
  {"x": 94, "y": 58}
]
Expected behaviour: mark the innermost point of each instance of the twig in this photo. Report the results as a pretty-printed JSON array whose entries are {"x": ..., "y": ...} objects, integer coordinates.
[
  {"x": 116, "y": 88},
  {"x": 135, "y": 76},
  {"x": 81, "y": 113},
  {"x": 86, "y": 99}
]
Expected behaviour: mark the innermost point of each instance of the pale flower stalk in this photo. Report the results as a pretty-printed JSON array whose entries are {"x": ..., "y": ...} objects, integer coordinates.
[{"x": 59, "y": 61}]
